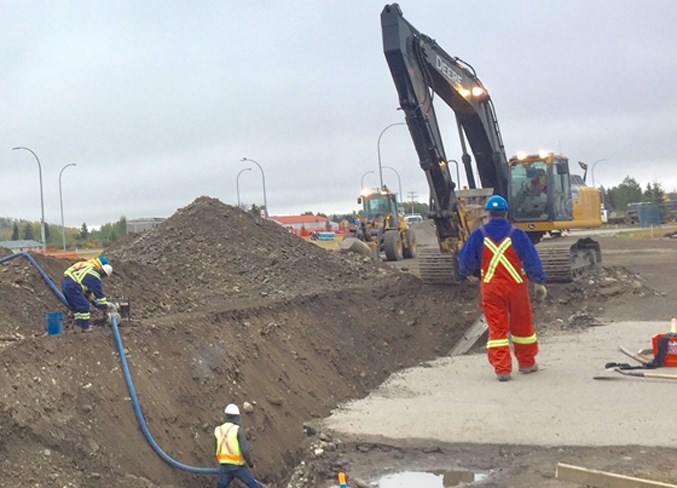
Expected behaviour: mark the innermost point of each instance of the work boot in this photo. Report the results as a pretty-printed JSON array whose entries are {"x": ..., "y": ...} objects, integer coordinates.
[
  {"x": 530, "y": 369},
  {"x": 503, "y": 377}
]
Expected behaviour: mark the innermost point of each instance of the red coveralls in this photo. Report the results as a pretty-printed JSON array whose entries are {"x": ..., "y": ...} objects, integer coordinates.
[{"x": 507, "y": 307}]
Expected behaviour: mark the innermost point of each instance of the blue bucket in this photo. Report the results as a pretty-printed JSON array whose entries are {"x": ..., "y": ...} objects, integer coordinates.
[{"x": 55, "y": 323}]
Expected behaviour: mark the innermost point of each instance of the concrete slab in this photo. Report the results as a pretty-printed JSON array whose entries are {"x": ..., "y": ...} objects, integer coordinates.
[{"x": 457, "y": 399}]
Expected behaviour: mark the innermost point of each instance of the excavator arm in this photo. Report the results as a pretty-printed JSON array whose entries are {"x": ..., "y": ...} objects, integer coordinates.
[{"x": 421, "y": 69}]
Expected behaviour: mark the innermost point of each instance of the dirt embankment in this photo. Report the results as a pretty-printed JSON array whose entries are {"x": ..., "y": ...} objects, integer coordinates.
[{"x": 226, "y": 307}]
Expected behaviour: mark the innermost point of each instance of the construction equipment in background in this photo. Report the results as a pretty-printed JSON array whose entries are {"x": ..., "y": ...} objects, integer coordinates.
[
  {"x": 544, "y": 197},
  {"x": 383, "y": 228}
]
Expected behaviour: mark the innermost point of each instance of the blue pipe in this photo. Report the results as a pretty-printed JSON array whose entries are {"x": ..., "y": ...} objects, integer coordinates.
[
  {"x": 128, "y": 377},
  {"x": 44, "y": 275},
  {"x": 139, "y": 415}
]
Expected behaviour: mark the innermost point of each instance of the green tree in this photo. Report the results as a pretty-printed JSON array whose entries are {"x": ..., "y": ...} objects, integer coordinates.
[
  {"x": 627, "y": 192},
  {"x": 84, "y": 232},
  {"x": 15, "y": 231},
  {"x": 28, "y": 232},
  {"x": 655, "y": 193}
]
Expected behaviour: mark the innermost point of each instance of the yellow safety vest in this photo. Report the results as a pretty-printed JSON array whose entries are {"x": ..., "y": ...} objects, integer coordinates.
[
  {"x": 78, "y": 271},
  {"x": 227, "y": 445}
]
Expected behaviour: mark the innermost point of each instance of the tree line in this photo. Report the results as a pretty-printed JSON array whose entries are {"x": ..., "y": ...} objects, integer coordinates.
[{"x": 83, "y": 237}]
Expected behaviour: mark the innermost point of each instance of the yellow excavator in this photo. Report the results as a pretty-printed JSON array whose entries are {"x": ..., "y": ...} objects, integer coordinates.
[{"x": 544, "y": 197}]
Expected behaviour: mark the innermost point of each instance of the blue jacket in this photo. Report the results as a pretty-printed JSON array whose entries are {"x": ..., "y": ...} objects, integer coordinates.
[{"x": 470, "y": 258}]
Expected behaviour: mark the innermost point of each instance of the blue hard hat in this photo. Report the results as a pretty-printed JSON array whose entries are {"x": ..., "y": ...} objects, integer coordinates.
[
  {"x": 103, "y": 260},
  {"x": 497, "y": 202}
]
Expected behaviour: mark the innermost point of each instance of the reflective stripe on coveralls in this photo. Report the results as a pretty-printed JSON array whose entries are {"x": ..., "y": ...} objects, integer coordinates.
[
  {"x": 505, "y": 299},
  {"x": 78, "y": 272},
  {"x": 499, "y": 258},
  {"x": 227, "y": 441}
]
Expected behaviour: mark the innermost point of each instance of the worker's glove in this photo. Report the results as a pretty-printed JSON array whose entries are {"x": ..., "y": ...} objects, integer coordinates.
[
  {"x": 114, "y": 316},
  {"x": 112, "y": 308},
  {"x": 540, "y": 292}
]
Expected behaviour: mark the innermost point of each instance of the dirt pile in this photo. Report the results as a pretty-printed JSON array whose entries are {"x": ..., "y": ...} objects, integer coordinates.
[{"x": 226, "y": 308}]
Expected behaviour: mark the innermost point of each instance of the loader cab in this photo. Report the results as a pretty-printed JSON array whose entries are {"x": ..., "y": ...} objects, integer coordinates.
[
  {"x": 540, "y": 188},
  {"x": 380, "y": 205}
]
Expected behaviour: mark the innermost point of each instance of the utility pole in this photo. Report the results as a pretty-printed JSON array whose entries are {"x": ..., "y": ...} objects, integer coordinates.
[{"x": 412, "y": 196}]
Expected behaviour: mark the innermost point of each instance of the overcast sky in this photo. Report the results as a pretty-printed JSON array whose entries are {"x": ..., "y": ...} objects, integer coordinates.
[{"x": 158, "y": 101}]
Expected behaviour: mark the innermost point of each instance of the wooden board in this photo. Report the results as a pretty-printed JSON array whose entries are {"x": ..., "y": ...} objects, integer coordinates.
[
  {"x": 602, "y": 479},
  {"x": 470, "y": 337}
]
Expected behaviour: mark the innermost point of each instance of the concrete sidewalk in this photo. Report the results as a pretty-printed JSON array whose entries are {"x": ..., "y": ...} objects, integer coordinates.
[{"x": 459, "y": 400}]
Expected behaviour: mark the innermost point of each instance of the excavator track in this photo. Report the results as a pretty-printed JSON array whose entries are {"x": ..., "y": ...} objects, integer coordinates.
[
  {"x": 437, "y": 268},
  {"x": 567, "y": 259}
]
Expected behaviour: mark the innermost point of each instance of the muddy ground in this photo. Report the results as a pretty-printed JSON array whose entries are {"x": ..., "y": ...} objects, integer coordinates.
[{"x": 228, "y": 307}]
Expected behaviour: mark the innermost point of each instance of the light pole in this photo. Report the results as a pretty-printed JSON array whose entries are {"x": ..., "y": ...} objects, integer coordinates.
[
  {"x": 237, "y": 185},
  {"x": 263, "y": 179},
  {"x": 362, "y": 180},
  {"x": 399, "y": 180},
  {"x": 458, "y": 174},
  {"x": 63, "y": 229},
  {"x": 378, "y": 149},
  {"x": 592, "y": 170},
  {"x": 42, "y": 199}
]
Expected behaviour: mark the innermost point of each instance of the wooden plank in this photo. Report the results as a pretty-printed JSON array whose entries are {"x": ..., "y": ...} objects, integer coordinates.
[
  {"x": 602, "y": 479},
  {"x": 470, "y": 337}
]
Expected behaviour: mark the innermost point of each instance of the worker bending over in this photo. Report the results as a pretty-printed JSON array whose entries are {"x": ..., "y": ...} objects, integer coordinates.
[
  {"x": 506, "y": 257},
  {"x": 82, "y": 284},
  {"x": 232, "y": 451}
]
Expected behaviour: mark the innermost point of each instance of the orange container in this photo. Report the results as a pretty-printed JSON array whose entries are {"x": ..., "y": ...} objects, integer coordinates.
[{"x": 671, "y": 358}]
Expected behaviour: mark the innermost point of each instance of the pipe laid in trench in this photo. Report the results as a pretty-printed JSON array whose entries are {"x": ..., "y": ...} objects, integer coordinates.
[{"x": 128, "y": 377}]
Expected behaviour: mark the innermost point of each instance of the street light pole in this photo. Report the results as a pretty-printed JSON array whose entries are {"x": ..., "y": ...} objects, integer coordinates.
[
  {"x": 458, "y": 174},
  {"x": 263, "y": 179},
  {"x": 399, "y": 180},
  {"x": 237, "y": 185},
  {"x": 63, "y": 229},
  {"x": 378, "y": 149},
  {"x": 592, "y": 170},
  {"x": 42, "y": 199},
  {"x": 362, "y": 180}
]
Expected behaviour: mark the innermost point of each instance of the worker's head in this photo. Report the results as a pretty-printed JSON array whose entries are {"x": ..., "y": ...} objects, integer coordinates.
[
  {"x": 103, "y": 260},
  {"x": 497, "y": 206},
  {"x": 107, "y": 269},
  {"x": 232, "y": 410}
]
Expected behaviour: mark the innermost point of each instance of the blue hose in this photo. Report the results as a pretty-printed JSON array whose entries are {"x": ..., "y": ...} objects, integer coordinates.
[
  {"x": 139, "y": 415},
  {"x": 44, "y": 275},
  {"x": 128, "y": 377}
]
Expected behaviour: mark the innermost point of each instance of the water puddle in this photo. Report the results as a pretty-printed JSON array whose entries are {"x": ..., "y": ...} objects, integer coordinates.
[{"x": 432, "y": 479}]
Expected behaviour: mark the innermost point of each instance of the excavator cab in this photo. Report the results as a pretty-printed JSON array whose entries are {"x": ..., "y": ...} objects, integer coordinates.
[{"x": 540, "y": 190}]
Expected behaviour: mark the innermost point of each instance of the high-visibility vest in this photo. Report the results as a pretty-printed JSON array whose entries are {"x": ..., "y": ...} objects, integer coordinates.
[
  {"x": 227, "y": 446},
  {"x": 500, "y": 261},
  {"x": 78, "y": 271}
]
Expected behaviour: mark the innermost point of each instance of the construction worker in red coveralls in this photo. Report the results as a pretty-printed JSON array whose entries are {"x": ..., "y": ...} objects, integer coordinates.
[
  {"x": 82, "y": 284},
  {"x": 506, "y": 257},
  {"x": 232, "y": 451}
]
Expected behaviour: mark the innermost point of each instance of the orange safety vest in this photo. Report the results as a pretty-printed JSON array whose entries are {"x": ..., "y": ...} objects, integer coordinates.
[
  {"x": 500, "y": 262},
  {"x": 227, "y": 446}
]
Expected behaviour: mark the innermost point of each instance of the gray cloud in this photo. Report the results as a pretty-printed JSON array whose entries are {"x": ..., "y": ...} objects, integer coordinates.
[{"x": 157, "y": 102}]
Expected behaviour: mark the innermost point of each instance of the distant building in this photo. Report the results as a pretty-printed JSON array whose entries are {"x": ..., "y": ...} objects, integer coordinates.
[
  {"x": 308, "y": 222},
  {"x": 140, "y": 225},
  {"x": 22, "y": 245}
]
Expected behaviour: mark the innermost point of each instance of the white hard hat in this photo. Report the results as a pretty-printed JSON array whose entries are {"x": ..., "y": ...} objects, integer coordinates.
[
  {"x": 231, "y": 409},
  {"x": 108, "y": 269}
]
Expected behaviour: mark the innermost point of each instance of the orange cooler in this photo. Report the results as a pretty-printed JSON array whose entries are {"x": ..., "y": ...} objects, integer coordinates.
[{"x": 671, "y": 357}]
